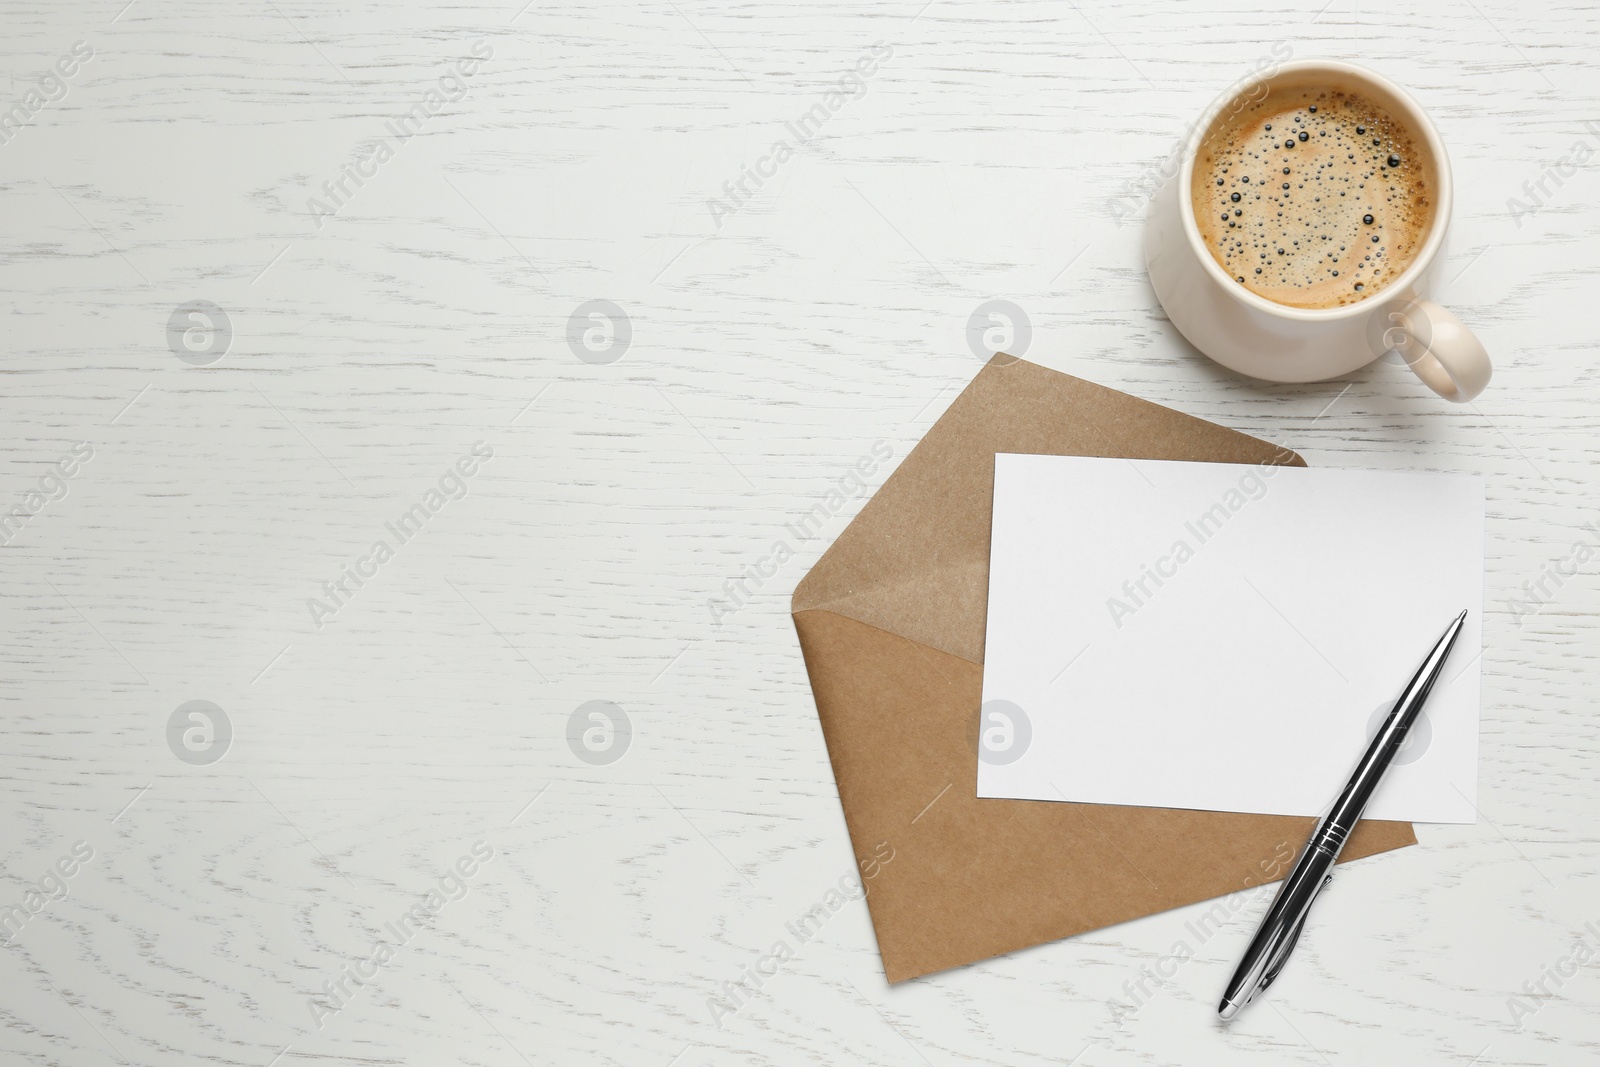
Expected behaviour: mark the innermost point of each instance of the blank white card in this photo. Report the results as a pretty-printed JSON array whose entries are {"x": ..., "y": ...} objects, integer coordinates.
[{"x": 1227, "y": 637}]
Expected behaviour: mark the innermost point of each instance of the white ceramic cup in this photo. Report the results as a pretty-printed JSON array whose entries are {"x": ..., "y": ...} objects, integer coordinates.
[{"x": 1263, "y": 339}]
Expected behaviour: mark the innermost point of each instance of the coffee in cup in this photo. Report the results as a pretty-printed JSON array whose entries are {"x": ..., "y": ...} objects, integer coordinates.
[{"x": 1313, "y": 196}]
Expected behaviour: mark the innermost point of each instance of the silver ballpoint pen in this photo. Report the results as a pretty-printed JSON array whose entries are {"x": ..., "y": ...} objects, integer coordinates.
[{"x": 1281, "y": 927}]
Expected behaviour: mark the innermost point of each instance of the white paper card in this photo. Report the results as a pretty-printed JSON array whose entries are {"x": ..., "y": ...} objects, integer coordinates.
[{"x": 1227, "y": 637}]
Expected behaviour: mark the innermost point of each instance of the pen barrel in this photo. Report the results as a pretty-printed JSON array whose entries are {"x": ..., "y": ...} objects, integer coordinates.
[{"x": 1280, "y": 927}]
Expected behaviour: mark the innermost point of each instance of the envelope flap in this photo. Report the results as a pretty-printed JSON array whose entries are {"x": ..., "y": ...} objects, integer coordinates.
[{"x": 923, "y": 539}]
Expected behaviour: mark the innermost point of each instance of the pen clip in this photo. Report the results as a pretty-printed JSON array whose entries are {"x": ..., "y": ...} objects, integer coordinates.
[
  {"x": 1286, "y": 946},
  {"x": 1281, "y": 956}
]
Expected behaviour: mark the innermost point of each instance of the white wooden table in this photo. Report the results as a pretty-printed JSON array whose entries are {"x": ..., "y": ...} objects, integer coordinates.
[{"x": 376, "y": 738}]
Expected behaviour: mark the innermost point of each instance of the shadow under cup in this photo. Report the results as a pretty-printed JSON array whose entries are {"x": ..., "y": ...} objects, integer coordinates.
[{"x": 1405, "y": 125}]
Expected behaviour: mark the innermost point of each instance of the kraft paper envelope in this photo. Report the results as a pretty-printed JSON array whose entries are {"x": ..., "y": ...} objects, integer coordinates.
[{"x": 891, "y": 623}]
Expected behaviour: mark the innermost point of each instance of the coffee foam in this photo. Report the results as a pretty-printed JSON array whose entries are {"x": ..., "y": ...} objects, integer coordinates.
[{"x": 1282, "y": 188}]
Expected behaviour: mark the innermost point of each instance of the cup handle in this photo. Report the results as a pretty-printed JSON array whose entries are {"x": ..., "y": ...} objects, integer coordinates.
[{"x": 1446, "y": 355}]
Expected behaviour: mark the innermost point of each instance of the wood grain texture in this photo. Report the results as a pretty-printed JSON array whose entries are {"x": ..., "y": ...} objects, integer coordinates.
[{"x": 768, "y": 354}]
